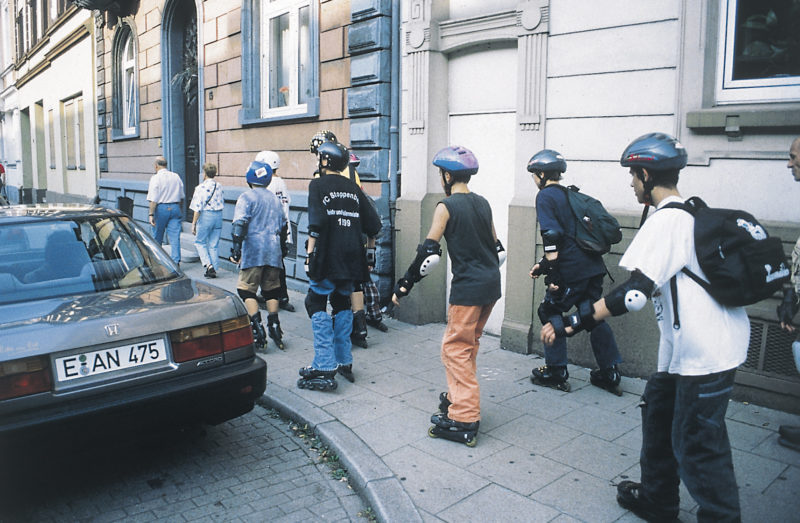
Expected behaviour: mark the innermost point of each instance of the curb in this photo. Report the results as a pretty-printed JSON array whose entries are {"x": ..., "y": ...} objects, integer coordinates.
[{"x": 369, "y": 474}]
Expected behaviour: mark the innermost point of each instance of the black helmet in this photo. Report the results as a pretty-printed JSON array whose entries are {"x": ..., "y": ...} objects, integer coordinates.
[
  {"x": 320, "y": 138},
  {"x": 657, "y": 151},
  {"x": 547, "y": 160},
  {"x": 333, "y": 155}
]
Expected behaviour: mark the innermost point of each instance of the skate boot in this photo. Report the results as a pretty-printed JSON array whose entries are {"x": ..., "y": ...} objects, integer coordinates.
[
  {"x": 347, "y": 372},
  {"x": 314, "y": 379},
  {"x": 444, "y": 427},
  {"x": 359, "y": 335},
  {"x": 629, "y": 496},
  {"x": 554, "y": 376},
  {"x": 444, "y": 403},
  {"x": 259, "y": 335},
  {"x": 275, "y": 331},
  {"x": 607, "y": 379}
]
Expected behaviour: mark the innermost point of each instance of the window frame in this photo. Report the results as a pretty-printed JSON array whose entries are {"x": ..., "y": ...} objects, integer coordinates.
[
  {"x": 729, "y": 91},
  {"x": 72, "y": 110},
  {"x": 122, "y": 98},
  {"x": 255, "y": 50}
]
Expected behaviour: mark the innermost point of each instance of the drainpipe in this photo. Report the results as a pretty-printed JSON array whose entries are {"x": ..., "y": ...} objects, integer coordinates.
[{"x": 394, "y": 125}]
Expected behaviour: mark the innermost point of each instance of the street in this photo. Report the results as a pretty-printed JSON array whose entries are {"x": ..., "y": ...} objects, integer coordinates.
[{"x": 258, "y": 467}]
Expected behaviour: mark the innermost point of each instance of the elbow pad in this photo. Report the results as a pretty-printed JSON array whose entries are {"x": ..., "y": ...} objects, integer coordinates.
[
  {"x": 501, "y": 252},
  {"x": 551, "y": 240},
  {"x": 429, "y": 253},
  {"x": 630, "y": 296}
]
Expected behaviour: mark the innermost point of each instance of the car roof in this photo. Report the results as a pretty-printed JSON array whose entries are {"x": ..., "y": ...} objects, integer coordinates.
[{"x": 52, "y": 211}]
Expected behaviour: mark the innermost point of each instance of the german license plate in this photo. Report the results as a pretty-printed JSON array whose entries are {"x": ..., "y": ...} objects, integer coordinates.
[{"x": 78, "y": 366}]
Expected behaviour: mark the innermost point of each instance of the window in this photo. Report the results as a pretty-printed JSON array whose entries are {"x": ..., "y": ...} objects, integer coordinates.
[
  {"x": 758, "y": 52},
  {"x": 51, "y": 131},
  {"x": 279, "y": 65},
  {"x": 73, "y": 132},
  {"x": 125, "y": 86}
]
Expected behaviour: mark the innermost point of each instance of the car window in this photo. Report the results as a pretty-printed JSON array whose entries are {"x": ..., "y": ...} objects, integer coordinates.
[{"x": 44, "y": 259}]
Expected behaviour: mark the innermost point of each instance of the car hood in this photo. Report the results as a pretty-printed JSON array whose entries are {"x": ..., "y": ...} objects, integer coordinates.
[{"x": 58, "y": 324}]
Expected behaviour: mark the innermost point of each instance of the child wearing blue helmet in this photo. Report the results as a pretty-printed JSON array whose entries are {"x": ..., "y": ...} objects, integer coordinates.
[
  {"x": 259, "y": 228},
  {"x": 465, "y": 220}
]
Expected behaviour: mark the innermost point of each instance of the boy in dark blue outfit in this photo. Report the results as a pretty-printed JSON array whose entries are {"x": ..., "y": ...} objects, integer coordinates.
[{"x": 572, "y": 276}]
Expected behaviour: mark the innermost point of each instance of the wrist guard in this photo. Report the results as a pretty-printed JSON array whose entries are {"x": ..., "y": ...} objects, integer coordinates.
[
  {"x": 403, "y": 283},
  {"x": 788, "y": 307},
  {"x": 580, "y": 320},
  {"x": 501, "y": 252},
  {"x": 545, "y": 266},
  {"x": 238, "y": 232},
  {"x": 371, "y": 257}
]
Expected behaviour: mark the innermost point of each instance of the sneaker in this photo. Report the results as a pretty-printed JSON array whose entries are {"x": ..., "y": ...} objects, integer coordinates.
[
  {"x": 378, "y": 324},
  {"x": 210, "y": 272},
  {"x": 629, "y": 497}
]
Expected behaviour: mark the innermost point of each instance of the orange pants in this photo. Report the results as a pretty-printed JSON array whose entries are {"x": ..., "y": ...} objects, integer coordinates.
[{"x": 459, "y": 354}]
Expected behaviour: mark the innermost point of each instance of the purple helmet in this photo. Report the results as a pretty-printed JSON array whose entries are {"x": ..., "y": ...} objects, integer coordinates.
[
  {"x": 456, "y": 160},
  {"x": 657, "y": 151},
  {"x": 354, "y": 160},
  {"x": 259, "y": 173}
]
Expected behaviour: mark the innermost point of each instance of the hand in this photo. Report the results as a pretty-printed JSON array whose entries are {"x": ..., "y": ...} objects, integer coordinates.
[
  {"x": 396, "y": 299},
  {"x": 552, "y": 287},
  {"x": 548, "y": 334},
  {"x": 194, "y": 229},
  {"x": 152, "y": 220},
  {"x": 535, "y": 271},
  {"x": 236, "y": 254}
]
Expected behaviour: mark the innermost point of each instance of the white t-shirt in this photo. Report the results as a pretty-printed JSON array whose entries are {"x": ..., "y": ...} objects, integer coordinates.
[
  {"x": 711, "y": 338},
  {"x": 165, "y": 187},
  {"x": 279, "y": 189}
]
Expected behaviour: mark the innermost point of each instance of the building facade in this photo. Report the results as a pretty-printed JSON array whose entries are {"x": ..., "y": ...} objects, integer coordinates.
[
  {"x": 219, "y": 81},
  {"x": 48, "y": 118},
  {"x": 509, "y": 78}
]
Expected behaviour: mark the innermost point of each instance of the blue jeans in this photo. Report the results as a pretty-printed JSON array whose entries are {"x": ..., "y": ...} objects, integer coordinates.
[
  {"x": 332, "y": 345},
  {"x": 209, "y": 228},
  {"x": 604, "y": 345},
  {"x": 684, "y": 438},
  {"x": 169, "y": 218}
]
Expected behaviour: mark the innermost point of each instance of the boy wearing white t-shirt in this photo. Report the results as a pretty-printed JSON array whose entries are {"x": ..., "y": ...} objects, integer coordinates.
[{"x": 684, "y": 437}]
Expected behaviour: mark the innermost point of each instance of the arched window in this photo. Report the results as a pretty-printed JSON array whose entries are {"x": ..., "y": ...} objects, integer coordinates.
[{"x": 125, "y": 84}]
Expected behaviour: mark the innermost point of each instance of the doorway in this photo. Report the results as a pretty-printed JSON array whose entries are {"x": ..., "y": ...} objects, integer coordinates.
[{"x": 180, "y": 94}]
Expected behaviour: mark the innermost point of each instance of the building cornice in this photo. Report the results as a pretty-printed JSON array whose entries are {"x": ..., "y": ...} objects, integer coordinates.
[{"x": 58, "y": 49}]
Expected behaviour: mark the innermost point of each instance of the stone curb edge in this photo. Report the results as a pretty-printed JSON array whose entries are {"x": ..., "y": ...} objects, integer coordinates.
[{"x": 367, "y": 471}]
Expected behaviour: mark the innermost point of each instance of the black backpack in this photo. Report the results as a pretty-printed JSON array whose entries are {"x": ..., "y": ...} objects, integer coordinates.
[
  {"x": 595, "y": 229},
  {"x": 743, "y": 264}
]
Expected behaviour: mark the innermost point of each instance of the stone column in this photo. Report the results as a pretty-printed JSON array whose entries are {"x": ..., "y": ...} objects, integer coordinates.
[{"x": 520, "y": 329}]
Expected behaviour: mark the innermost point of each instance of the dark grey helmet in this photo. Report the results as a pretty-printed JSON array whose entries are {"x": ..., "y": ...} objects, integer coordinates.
[
  {"x": 657, "y": 151},
  {"x": 547, "y": 160},
  {"x": 333, "y": 155}
]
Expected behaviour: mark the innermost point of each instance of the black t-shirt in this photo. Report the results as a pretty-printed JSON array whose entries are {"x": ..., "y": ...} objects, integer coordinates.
[
  {"x": 472, "y": 251},
  {"x": 338, "y": 211}
]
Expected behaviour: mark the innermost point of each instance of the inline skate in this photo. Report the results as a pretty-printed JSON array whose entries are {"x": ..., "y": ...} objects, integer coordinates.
[
  {"x": 314, "y": 379},
  {"x": 554, "y": 376}
]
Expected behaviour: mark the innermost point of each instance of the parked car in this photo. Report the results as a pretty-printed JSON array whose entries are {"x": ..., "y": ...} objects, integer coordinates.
[{"x": 98, "y": 324}]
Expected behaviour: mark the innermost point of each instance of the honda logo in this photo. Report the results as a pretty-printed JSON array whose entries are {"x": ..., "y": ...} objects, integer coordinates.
[{"x": 112, "y": 330}]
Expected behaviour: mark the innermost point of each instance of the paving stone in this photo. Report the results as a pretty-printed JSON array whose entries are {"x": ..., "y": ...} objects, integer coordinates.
[{"x": 495, "y": 503}]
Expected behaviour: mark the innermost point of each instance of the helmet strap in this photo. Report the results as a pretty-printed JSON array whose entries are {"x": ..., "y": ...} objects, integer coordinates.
[{"x": 448, "y": 186}]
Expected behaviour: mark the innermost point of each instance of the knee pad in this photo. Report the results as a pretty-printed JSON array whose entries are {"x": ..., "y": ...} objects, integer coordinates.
[
  {"x": 245, "y": 295},
  {"x": 315, "y": 303},
  {"x": 274, "y": 294},
  {"x": 339, "y": 302}
]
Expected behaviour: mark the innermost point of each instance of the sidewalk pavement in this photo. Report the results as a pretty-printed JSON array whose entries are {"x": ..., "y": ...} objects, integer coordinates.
[{"x": 542, "y": 454}]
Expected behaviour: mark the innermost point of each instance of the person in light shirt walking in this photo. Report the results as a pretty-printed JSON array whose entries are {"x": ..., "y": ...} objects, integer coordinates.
[
  {"x": 165, "y": 194},
  {"x": 207, "y": 204}
]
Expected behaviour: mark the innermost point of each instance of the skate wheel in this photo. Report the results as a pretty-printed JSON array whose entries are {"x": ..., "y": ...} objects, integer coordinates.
[
  {"x": 432, "y": 433},
  {"x": 472, "y": 442},
  {"x": 301, "y": 383},
  {"x": 566, "y": 387}
]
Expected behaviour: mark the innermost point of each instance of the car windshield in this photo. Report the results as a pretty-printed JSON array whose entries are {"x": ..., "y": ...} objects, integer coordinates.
[{"x": 79, "y": 255}]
